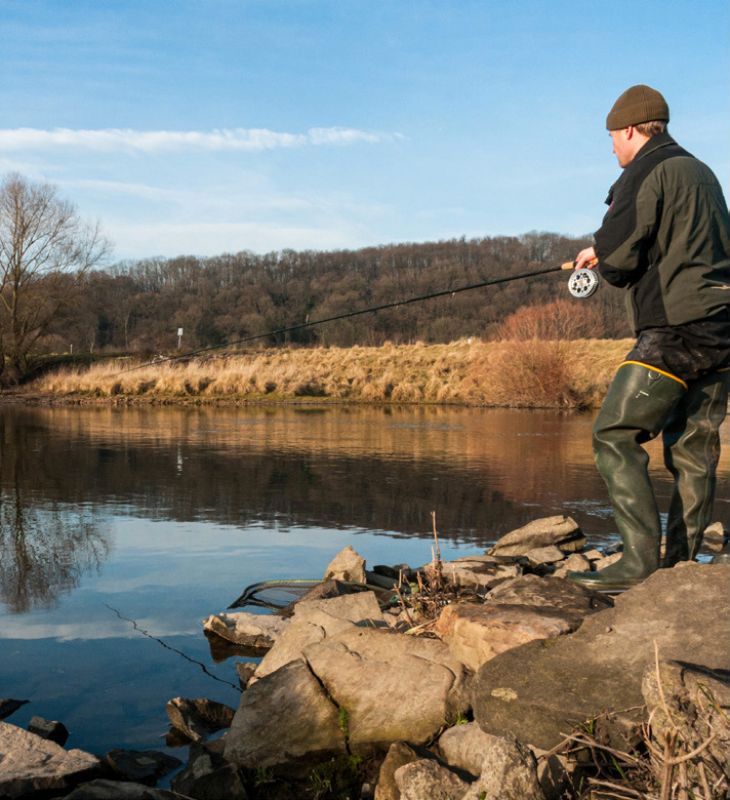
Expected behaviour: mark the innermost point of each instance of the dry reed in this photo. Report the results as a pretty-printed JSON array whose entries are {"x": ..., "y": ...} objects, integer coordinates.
[{"x": 533, "y": 373}]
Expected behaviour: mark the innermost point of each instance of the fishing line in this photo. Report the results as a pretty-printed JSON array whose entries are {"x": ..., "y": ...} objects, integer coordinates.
[{"x": 347, "y": 315}]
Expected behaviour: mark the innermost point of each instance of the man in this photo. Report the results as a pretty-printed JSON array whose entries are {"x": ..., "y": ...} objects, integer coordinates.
[{"x": 665, "y": 239}]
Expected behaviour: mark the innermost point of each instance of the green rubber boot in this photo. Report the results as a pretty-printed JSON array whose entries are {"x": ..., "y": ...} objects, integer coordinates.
[
  {"x": 691, "y": 451},
  {"x": 639, "y": 402}
]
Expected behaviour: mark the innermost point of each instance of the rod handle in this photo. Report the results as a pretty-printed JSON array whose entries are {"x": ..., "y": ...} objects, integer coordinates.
[{"x": 571, "y": 264}]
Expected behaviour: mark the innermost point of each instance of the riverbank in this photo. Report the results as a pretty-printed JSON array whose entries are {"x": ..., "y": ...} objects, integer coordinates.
[
  {"x": 520, "y": 374},
  {"x": 489, "y": 677}
]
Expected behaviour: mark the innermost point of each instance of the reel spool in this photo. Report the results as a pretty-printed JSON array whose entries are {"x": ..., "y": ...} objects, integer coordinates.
[{"x": 583, "y": 283}]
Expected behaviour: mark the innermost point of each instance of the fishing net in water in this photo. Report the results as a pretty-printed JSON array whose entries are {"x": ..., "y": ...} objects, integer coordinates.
[{"x": 274, "y": 594}]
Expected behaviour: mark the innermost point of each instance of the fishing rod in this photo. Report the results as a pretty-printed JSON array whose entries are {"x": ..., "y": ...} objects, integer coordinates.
[{"x": 582, "y": 283}]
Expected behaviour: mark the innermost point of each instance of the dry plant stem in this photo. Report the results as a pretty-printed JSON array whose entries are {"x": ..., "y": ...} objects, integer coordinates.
[
  {"x": 592, "y": 743},
  {"x": 626, "y": 791},
  {"x": 703, "y": 778},
  {"x": 436, "y": 554},
  {"x": 693, "y": 753},
  {"x": 403, "y": 605}
]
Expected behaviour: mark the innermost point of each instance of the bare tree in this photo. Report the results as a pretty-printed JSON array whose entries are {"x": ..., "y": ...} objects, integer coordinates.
[{"x": 41, "y": 238}]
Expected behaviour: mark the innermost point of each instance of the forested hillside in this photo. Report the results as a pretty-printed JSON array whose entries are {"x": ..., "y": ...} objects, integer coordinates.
[{"x": 139, "y": 306}]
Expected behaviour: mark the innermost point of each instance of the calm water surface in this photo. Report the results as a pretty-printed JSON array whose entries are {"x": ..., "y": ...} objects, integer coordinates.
[{"x": 163, "y": 516}]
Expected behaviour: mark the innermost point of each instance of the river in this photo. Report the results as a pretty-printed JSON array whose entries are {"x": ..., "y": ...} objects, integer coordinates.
[{"x": 162, "y": 515}]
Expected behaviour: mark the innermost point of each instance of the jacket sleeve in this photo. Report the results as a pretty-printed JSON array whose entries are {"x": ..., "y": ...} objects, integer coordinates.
[{"x": 624, "y": 239}]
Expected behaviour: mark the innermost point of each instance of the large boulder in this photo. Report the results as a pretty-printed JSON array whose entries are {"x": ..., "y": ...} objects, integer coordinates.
[
  {"x": 258, "y": 631},
  {"x": 477, "y": 632},
  {"x": 284, "y": 717},
  {"x": 558, "y": 530},
  {"x": 30, "y": 764},
  {"x": 314, "y": 620},
  {"x": 540, "y": 691},
  {"x": 389, "y": 686}
]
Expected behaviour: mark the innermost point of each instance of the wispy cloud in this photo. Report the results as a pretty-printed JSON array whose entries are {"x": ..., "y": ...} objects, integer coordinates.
[
  {"x": 138, "y": 240},
  {"x": 119, "y": 139}
]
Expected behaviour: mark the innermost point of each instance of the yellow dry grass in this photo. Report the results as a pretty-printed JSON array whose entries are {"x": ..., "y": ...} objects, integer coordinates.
[{"x": 527, "y": 373}]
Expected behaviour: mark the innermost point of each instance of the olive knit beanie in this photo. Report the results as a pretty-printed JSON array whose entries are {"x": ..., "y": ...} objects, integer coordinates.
[{"x": 636, "y": 105}]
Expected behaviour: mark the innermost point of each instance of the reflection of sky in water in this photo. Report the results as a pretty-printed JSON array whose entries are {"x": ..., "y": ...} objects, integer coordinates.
[{"x": 80, "y": 663}]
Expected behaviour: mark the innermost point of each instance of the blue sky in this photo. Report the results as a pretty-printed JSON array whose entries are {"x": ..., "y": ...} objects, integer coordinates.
[{"x": 226, "y": 125}]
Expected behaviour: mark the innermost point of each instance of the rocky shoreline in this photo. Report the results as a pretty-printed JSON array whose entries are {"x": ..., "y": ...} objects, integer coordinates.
[{"x": 488, "y": 677}]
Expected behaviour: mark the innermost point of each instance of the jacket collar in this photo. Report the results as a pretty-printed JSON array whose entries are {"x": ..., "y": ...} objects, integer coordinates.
[{"x": 660, "y": 140}]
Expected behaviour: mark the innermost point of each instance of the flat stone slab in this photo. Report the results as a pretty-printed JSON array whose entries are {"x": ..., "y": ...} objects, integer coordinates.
[
  {"x": 558, "y": 530},
  {"x": 31, "y": 764},
  {"x": 550, "y": 593},
  {"x": 539, "y": 692},
  {"x": 259, "y": 631},
  {"x": 476, "y": 633}
]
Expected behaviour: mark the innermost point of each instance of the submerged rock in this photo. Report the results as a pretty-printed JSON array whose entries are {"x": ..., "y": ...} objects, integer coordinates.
[
  {"x": 558, "y": 530},
  {"x": 541, "y": 690},
  {"x": 52, "y": 730},
  {"x": 141, "y": 766},
  {"x": 31, "y": 764},
  {"x": 9, "y": 706}
]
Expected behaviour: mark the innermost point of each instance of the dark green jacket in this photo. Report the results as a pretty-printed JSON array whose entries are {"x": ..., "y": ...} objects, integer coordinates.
[{"x": 666, "y": 237}]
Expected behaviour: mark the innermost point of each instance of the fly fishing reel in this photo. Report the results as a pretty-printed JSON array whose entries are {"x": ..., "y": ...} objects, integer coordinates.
[{"x": 583, "y": 283}]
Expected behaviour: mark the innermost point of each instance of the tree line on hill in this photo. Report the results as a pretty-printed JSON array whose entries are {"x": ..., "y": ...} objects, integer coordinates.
[
  {"x": 55, "y": 299},
  {"x": 138, "y": 307}
]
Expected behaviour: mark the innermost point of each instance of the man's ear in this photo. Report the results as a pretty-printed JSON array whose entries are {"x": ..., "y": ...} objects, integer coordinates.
[{"x": 630, "y": 131}]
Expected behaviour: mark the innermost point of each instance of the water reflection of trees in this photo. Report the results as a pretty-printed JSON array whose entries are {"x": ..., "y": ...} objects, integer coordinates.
[{"x": 45, "y": 547}]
